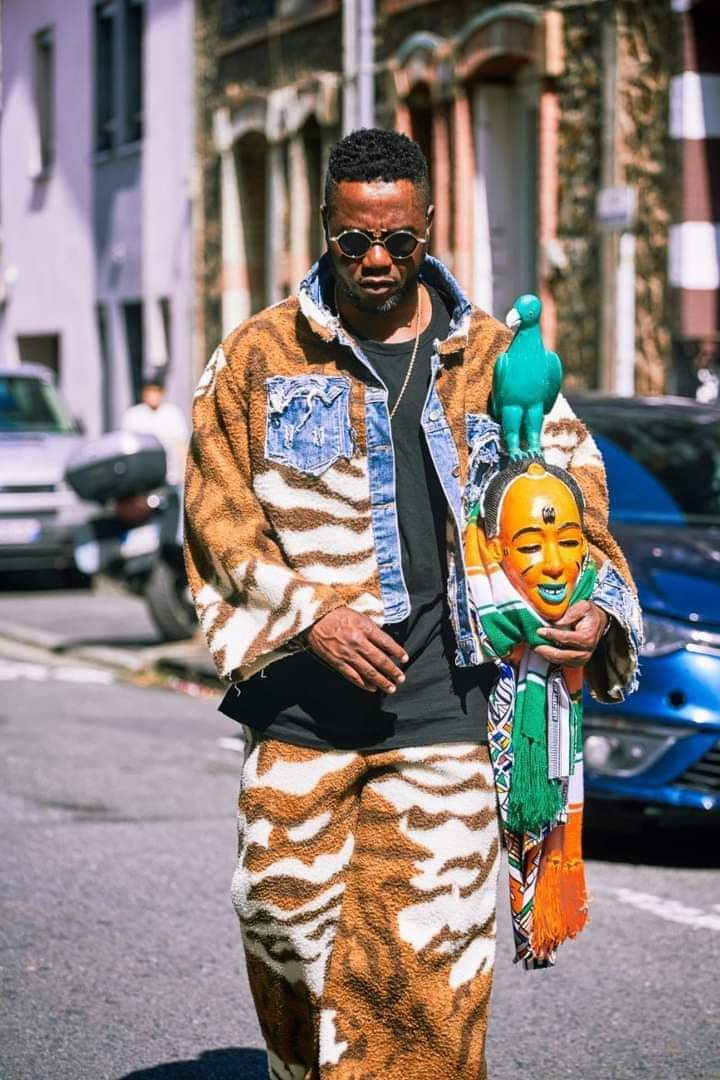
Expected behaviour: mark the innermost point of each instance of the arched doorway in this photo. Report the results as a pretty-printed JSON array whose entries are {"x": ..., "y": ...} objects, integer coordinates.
[
  {"x": 312, "y": 137},
  {"x": 496, "y": 60},
  {"x": 505, "y": 193},
  {"x": 251, "y": 168}
]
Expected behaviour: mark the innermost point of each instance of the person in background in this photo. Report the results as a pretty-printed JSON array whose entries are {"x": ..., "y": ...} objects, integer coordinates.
[{"x": 155, "y": 416}]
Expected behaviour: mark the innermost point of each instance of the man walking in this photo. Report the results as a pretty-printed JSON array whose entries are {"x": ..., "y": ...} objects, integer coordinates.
[{"x": 324, "y": 498}]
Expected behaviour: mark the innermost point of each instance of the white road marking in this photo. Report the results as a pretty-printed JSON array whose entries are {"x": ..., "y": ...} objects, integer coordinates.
[
  {"x": 231, "y": 742},
  {"x": 670, "y": 910},
  {"x": 16, "y": 669}
]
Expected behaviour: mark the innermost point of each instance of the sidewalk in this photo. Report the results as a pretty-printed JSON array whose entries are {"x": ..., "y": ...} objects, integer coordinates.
[{"x": 110, "y": 629}]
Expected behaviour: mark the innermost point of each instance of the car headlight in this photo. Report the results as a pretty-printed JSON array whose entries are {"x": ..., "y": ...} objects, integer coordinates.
[
  {"x": 616, "y": 748},
  {"x": 664, "y": 636}
]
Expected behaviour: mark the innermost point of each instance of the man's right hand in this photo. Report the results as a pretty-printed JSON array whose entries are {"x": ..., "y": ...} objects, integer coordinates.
[{"x": 363, "y": 653}]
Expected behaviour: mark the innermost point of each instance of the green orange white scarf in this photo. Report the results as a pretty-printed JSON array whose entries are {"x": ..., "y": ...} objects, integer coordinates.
[{"x": 535, "y": 736}]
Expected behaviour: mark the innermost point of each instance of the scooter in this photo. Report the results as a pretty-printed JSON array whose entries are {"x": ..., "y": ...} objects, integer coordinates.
[{"x": 136, "y": 539}]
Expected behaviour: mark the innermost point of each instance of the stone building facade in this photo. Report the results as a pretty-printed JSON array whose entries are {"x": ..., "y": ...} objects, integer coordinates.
[{"x": 547, "y": 130}]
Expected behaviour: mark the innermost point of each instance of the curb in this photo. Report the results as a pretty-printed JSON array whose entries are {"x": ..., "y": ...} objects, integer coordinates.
[{"x": 184, "y": 659}]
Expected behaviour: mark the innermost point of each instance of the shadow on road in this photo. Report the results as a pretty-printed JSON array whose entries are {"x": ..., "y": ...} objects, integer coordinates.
[
  {"x": 231, "y": 1063},
  {"x": 117, "y": 641},
  {"x": 647, "y": 843},
  {"x": 13, "y": 581}
]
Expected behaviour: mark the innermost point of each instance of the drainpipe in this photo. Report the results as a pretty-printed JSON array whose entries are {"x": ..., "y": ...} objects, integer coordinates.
[
  {"x": 358, "y": 64},
  {"x": 366, "y": 64},
  {"x": 609, "y": 178},
  {"x": 350, "y": 62}
]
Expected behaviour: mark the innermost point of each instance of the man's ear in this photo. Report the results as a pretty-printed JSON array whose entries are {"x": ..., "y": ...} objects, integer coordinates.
[{"x": 324, "y": 217}]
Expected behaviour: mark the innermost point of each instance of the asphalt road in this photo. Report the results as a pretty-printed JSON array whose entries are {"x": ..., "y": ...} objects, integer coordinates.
[{"x": 119, "y": 949}]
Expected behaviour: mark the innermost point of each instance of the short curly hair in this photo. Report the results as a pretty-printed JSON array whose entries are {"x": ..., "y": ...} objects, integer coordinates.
[{"x": 375, "y": 154}]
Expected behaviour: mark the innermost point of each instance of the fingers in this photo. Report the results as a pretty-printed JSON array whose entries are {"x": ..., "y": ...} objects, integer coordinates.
[
  {"x": 564, "y": 657},
  {"x": 373, "y": 677},
  {"x": 354, "y": 677},
  {"x": 388, "y": 644},
  {"x": 582, "y": 636},
  {"x": 382, "y": 663},
  {"x": 359, "y": 650},
  {"x": 574, "y": 613}
]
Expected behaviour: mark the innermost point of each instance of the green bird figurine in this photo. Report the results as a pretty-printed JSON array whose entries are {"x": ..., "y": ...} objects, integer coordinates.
[{"x": 526, "y": 380}]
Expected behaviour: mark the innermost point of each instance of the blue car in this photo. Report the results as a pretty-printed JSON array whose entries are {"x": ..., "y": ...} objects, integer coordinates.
[{"x": 659, "y": 751}]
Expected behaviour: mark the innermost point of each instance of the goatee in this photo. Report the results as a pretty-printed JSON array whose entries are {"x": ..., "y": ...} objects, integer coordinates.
[{"x": 360, "y": 303}]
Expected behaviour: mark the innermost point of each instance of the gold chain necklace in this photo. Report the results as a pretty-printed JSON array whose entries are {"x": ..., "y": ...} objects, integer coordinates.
[{"x": 411, "y": 365}]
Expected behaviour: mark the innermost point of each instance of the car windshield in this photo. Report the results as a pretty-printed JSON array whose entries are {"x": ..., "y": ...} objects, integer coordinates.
[
  {"x": 29, "y": 404},
  {"x": 660, "y": 467}
]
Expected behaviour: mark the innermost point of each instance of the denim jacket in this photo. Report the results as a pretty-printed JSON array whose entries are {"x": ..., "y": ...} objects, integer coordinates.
[{"x": 292, "y": 428}]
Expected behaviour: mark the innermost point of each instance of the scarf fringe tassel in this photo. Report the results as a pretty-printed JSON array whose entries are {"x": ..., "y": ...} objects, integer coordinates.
[
  {"x": 561, "y": 900},
  {"x": 534, "y": 800}
]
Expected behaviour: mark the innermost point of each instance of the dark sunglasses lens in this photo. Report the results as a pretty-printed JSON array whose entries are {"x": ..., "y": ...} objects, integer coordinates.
[
  {"x": 401, "y": 244},
  {"x": 353, "y": 244}
]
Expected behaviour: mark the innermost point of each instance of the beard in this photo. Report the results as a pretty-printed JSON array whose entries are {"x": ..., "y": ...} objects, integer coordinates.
[{"x": 361, "y": 302}]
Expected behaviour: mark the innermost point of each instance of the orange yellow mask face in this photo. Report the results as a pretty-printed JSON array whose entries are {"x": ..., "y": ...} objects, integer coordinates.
[{"x": 541, "y": 545}]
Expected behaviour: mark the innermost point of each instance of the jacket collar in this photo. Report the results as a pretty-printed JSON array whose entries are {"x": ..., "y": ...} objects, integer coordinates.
[{"x": 315, "y": 295}]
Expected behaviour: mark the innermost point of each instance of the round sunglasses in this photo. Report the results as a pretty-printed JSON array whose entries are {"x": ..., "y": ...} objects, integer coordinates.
[{"x": 399, "y": 244}]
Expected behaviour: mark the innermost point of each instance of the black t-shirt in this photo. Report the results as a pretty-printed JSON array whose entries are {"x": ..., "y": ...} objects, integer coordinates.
[{"x": 302, "y": 700}]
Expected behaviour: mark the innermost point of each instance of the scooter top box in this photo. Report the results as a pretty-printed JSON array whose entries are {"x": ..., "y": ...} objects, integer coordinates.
[{"x": 116, "y": 466}]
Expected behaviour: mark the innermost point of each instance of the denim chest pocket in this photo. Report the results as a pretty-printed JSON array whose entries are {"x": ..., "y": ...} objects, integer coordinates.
[{"x": 308, "y": 421}]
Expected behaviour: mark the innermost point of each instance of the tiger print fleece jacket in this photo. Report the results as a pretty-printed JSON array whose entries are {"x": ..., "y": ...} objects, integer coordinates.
[{"x": 290, "y": 492}]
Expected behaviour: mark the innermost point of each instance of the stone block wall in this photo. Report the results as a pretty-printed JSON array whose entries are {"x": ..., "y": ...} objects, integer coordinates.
[
  {"x": 645, "y": 56},
  {"x": 208, "y": 249},
  {"x": 576, "y": 287},
  {"x": 646, "y": 45}
]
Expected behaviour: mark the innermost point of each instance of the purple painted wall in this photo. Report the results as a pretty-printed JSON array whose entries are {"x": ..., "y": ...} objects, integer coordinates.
[
  {"x": 47, "y": 253},
  {"x": 109, "y": 228},
  {"x": 167, "y": 191}
]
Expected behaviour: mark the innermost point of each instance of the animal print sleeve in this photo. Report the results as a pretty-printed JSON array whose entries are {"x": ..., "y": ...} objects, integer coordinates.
[
  {"x": 250, "y": 603},
  {"x": 613, "y": 671}
]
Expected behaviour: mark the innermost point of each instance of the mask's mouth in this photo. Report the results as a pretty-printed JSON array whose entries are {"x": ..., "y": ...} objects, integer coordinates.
[{"x": 553, "y": 594}]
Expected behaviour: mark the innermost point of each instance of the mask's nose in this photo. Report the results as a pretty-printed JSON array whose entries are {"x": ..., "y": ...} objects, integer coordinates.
[{"x": 552, "y": 563}]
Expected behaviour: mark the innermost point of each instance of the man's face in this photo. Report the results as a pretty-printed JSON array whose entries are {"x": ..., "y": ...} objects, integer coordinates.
[
  {"x": 542, "y": 545},
  {"x": 376, "y": 283}
]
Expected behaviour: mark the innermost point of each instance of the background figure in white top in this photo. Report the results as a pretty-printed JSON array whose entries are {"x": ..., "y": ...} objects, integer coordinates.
[{"x": 155, "y": 416}]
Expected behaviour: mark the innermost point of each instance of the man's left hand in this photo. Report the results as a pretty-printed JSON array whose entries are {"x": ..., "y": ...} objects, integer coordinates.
[{"x": 572, "y": 640}]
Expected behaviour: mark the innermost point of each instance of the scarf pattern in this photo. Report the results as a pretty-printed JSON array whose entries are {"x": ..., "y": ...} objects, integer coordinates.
[{"x": 535, "y": 739}]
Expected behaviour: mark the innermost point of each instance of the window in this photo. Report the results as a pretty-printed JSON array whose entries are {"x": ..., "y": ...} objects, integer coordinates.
[
  {"x": 133, "y": 70},
  {"x": 106, "y": 370},
  {"x": 31, "y": 404},
  {"x": 133, "y": 315},
  {"x": 166, "y": 316},
  {"x": 118, "y": 73},
  {"x": 105, "y": 118},
  {"x": 44, "y": 62},
  {"x": 41, "y": 349},
  {"x": 239, "y": 15}
]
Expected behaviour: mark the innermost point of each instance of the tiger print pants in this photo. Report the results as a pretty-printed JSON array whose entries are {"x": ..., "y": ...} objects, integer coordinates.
[{"x": 365, "y": 888}]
